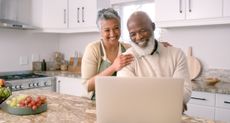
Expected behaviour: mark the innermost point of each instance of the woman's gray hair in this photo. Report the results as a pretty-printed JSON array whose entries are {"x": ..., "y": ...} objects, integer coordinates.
[{"x": 106, "y": 14}]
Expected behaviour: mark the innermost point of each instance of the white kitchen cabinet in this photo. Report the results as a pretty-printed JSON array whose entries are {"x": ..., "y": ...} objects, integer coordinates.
[
  {"x": 173, "y": 13},
  {"x": 169, "y": 10},
  {"x": 66, "y": 16},
  {"x": 54, "y": 15},
  {"x": 209, "y": 105},
  {"x": 222, "y": 114},
  {"x": 199, "y": 9},
  {"x": 50, "y": 14},
  {"x": 222, "y": 110},
  {"x": 187, "y": 9},
  {"x": 71, "y": 86},
  {"x": 226, "y": 9},
  {"x": 201, "y": 104},
  {"x": 201, "y": 111},
  {"x": 82, "y": 14}
]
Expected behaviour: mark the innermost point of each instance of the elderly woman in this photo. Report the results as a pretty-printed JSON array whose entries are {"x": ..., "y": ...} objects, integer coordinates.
[{"x": 104, "y": 57}]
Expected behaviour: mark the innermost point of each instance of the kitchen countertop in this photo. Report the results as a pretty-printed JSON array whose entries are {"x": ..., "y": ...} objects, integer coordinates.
[
  {"x": 71, "y": 109},
  {"x": 198, "y": 85},
  {"x": 59, "y": 73},
  {"x": 220, "y": 87}
]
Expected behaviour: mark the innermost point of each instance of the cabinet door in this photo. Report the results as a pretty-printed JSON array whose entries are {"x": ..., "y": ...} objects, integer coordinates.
[
  {"x": 71, "y": 86},
  {"x": 201, "y": 104},
  {"x": 223, "y": 101},
  {"x": 74, "y": 13},
  {"x": 226, "y": 9},
  {"x": 222, "y": 114},
  {"x": 202, "y": 98},
  {"x": 82, "y": 14},
  {"x": 167, "y": 10},
  {"x": 197, "y": 9},
  {"x": 89, "y": 13},
  {"x": 200, "y": 111},
  {"x": 54, "y": 14}
]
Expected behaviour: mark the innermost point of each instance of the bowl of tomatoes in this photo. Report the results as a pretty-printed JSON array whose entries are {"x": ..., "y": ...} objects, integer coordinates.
[{"x": 25, "y": 105}]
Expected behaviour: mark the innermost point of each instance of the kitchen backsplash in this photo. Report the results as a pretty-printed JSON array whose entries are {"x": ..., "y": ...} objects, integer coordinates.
[{"x": 19, "y": 48}]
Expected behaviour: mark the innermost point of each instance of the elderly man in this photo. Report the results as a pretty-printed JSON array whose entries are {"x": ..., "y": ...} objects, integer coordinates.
[{"x": 151, "y": 58}]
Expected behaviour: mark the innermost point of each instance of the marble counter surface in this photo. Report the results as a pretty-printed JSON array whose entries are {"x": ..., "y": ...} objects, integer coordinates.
[
  {"x": 68, "y": 109},
  {"x": 220, "y": 87},
  {"x": 59, "y": 73}
]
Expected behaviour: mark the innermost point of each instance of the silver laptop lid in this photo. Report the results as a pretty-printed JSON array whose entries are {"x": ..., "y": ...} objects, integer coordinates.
[{"x": 138, "y": 100}]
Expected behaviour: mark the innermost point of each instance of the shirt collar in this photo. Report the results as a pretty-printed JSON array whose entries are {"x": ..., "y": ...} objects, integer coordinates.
[{"x": 155, "y": 47}]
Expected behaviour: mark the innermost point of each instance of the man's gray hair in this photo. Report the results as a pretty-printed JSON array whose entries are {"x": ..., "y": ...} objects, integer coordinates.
[{"x": 106, "y": 14}]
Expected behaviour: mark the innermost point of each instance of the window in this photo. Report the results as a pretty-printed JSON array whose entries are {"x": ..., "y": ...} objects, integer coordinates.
[{"x": 126, "y": 10}]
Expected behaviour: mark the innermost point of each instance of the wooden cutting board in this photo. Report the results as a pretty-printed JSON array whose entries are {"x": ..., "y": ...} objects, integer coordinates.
[{"x": 194, "y": 65}]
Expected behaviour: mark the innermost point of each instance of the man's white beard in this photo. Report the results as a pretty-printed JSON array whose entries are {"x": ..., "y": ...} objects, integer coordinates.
[{"x": 146, "y": 50}]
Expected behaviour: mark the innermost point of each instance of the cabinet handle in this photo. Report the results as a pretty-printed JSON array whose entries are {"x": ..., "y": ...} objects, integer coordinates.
[
  {"x": 180, "y": 6},
  {"x": 189, "y": 6},
  {"x": 64, "y": 16},
  {"x": 83, "y": 14},
  {"x": 58, "y": 86},
  {"x": 78, "y": 9},
  {"x": 227, "y": 102},
  {"x": 196, "y": 98}
]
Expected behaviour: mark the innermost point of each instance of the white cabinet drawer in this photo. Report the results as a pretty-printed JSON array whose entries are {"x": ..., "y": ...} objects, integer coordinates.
[
  {"x": 202, "y": 98},
  {"x": 71, "y": 86},
  {"x": 222, "y": 114},
  {"x": 200, "y": 111},
  {"x": 223, "y": 101}
]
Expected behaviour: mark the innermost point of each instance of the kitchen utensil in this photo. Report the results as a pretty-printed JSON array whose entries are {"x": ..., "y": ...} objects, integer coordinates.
[
  {"x": 75, "y": 58},
  {"x": 212, "y": 80},
  {"x": 37, "y": 66},
  {"x": 58, "y": 58},
  {"x": 64, "y": 67},
  {"x": 43, "y": 65},
  {"x": 194, "y": 65}
]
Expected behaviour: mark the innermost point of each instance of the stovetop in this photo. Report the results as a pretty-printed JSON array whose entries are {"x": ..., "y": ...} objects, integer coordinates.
[{"x": 21, "y": 76}]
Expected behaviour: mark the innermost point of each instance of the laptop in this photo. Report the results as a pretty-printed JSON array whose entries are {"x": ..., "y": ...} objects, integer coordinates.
[{"x": 138, "y": 100}]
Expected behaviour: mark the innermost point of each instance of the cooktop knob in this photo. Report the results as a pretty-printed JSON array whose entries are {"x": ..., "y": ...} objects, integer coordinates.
[
  {"x": 30, "y": 84},
  {"x": 34, "y": 84},
  {"x": 17, "y": 86}
]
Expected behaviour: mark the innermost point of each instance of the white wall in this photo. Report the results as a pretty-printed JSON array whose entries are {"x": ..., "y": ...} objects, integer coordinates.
[
  {"x": 69, "y": 43},
  {"x": 16, "y": 43},
  {"x": 211, "y": 44}
]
